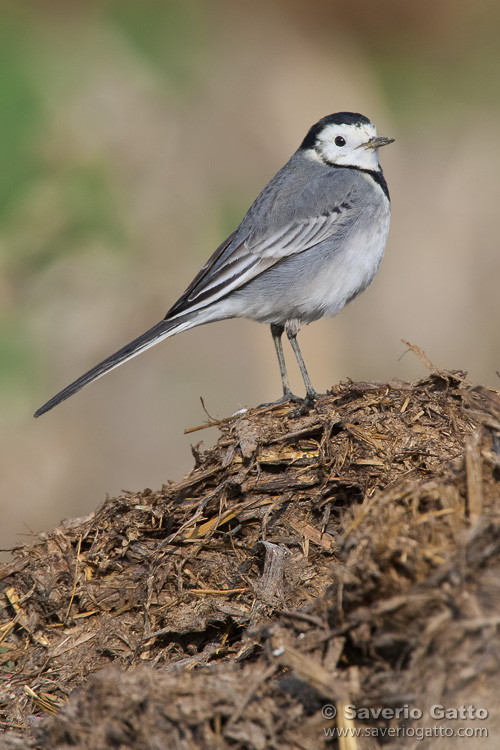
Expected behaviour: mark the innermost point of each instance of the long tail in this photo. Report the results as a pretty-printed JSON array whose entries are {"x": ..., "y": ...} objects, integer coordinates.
[{"x": 155, "y": 334}]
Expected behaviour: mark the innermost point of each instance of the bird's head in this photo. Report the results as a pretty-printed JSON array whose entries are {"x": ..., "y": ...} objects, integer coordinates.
[{"x": 345, "y": 139}]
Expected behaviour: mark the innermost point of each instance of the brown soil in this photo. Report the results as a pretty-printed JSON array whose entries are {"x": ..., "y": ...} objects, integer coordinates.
[{"x": 349, "y": 555}]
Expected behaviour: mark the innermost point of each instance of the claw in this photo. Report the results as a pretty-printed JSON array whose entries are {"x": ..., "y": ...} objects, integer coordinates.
[
  {"x": 305, "y": 406},
  {"x": 289, "y": 396}
]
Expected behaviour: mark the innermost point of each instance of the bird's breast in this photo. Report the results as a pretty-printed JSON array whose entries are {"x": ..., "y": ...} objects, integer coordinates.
[{"x": 340, "y": 268}]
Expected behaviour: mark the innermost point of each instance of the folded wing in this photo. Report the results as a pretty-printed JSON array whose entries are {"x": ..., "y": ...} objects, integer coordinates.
[{"x": 237, "y": 261}]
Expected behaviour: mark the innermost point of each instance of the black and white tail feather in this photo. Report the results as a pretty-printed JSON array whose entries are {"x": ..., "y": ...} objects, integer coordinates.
[
  {"x": 155, "y": 334},
  {"x": 174, "y": 322}
]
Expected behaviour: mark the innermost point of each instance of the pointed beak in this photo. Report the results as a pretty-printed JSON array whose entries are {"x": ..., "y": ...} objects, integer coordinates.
[{"x": 377, "y": 142}]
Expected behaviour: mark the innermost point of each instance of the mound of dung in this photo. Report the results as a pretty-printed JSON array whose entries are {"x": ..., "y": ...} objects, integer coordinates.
[{"x": 309, "y": 563}]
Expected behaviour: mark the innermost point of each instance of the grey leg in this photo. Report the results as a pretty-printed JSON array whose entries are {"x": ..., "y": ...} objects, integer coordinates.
[
  {"x": 311, "y": 393},
  {"x": 277, "y": 333}
]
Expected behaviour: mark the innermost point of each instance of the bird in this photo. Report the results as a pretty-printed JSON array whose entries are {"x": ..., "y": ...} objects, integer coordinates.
[{"x": 311, "y": 242}]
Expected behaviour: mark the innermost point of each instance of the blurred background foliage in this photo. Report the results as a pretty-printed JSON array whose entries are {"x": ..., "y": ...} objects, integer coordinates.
[{"x": 133, "y": 136}]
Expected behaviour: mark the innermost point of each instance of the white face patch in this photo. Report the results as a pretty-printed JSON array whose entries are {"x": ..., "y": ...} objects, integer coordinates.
[{"x": 343, "y": 145}]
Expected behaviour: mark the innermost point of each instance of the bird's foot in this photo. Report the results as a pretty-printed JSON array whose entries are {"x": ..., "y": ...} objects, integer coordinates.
[
  {"x": 287, "y": 396},
  {"x": 305, "y": 404}
]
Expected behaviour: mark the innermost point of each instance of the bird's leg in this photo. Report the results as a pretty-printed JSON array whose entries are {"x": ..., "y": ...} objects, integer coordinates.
[
  {"x": 277, "y": 333},
  {"x": 291, "y": 332}
]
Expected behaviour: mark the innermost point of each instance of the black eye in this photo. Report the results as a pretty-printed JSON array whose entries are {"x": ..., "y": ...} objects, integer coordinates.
[{"x": 339, "y": 141}]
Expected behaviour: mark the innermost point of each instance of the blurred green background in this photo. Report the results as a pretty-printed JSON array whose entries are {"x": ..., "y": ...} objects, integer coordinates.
[{"x": 133, "y": 137}]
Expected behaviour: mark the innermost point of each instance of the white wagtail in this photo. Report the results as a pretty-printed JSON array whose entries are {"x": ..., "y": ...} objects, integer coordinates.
[{"x": 311, "y": 241}]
